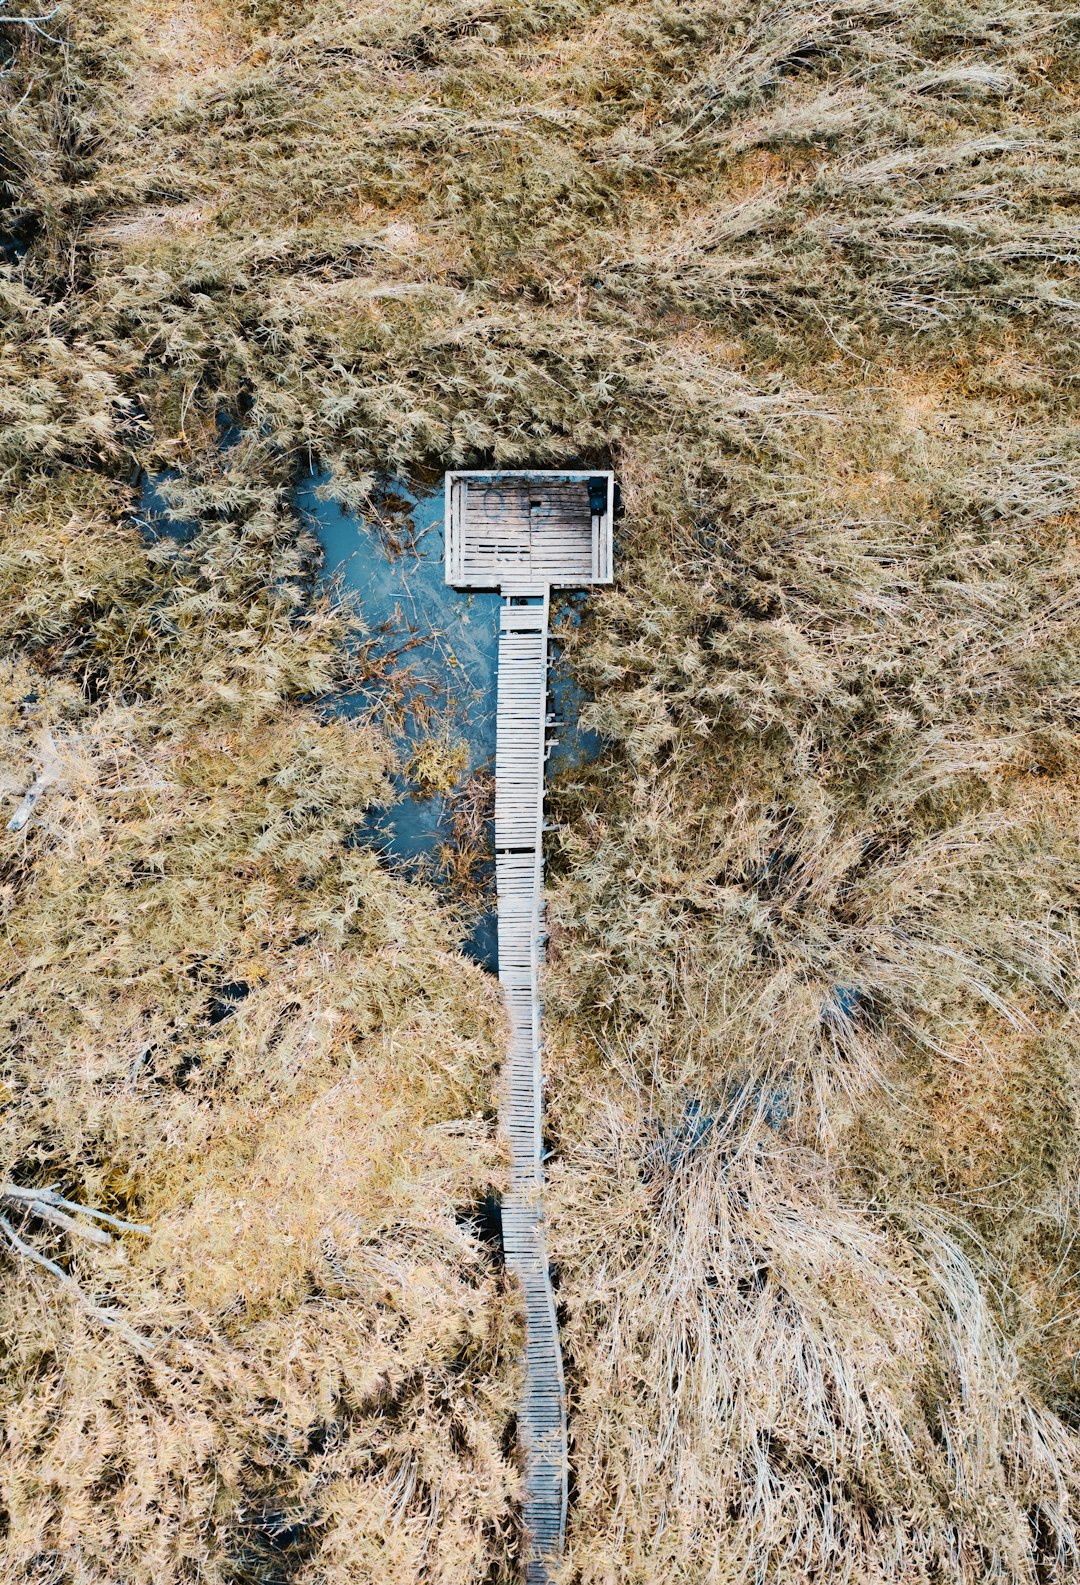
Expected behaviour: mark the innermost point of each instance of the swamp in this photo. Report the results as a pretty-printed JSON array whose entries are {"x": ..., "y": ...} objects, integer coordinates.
[{"x": 804, "y": 276}]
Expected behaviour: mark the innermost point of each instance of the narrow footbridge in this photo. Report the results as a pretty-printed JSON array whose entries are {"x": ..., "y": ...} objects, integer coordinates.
[{"x": 525, "y": 534}]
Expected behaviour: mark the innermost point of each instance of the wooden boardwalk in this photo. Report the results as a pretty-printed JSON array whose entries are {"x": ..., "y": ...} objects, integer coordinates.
[
  {"x": 522, "y": 534},
  {"x": 519, "y": 872}
]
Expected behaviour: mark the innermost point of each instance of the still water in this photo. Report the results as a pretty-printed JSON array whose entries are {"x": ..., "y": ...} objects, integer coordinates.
[
  {"x": 392, "y": 561},
  {"x": 442, "y": 647}
]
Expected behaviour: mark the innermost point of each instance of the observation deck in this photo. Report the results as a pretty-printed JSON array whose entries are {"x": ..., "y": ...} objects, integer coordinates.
[{"x": 526, "y": 533}]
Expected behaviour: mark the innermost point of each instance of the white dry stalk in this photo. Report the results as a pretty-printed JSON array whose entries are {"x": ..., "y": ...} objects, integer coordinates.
[
  {"x": 33, "y": 24},
  {"x": 46, "y": 776},
  {"x": 49, "y": 1206},
  {"x": 52, "y": 1207}
]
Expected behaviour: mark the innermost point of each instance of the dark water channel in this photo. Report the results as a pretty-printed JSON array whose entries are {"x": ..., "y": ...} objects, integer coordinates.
[{"x": 156, "y": 518}]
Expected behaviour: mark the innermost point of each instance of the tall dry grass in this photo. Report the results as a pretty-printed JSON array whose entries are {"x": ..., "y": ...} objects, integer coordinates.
[
  {"x": 219, "y": 1017},
  {"x": 806, "y": 275}
]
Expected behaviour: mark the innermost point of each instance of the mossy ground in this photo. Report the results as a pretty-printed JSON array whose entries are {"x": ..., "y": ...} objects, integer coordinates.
[{"x": 805, "y": 276}]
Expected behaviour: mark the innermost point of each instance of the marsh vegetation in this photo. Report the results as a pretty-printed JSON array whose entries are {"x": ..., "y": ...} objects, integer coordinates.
[{"x": 806, "y": 276}]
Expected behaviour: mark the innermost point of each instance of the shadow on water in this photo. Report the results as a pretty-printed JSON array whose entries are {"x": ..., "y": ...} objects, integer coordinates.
[
  {"x": 445, "y": 645},
  {"x": 572, "y": 743}
]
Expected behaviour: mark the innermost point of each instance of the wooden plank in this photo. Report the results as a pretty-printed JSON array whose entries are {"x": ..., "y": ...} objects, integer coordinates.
[
  {"x": 521, "y": 725},
  {"x": 524, "y": 533}
]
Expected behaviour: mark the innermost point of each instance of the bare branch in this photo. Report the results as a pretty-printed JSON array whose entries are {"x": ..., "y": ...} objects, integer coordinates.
[
  {"x": 39, "y": 783},
  {"x": 107, "y": 1318},
  {"x": 48, "y": 1204}
]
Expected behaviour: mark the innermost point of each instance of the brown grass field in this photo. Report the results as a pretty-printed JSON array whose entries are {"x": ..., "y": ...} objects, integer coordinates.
[{"x": 806, "y": 276}]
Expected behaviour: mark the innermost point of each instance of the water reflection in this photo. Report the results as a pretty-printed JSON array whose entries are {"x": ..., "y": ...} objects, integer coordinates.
[
  {"x": 442, "y": 647},
  {"x": 572, "y": 743}
]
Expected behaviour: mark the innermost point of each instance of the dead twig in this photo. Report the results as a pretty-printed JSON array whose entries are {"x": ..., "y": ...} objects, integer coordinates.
[{"x": 49, "y": 1206}]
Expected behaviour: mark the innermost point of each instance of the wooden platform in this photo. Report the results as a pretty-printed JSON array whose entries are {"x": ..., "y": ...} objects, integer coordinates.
[
  {"x": 519, "y": 531},
  {"x": 523, "y": 533}
]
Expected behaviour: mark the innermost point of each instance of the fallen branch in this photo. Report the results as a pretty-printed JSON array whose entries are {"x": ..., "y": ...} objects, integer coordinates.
[
  {"x": 33, "y": 23},
  {"x": 51, "y": 1207},
  {"x": 29, "y": 799},
  {"x": 48, "y": 753}
]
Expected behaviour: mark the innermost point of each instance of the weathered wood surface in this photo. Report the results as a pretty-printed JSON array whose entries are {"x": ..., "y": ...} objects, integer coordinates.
[
  {"x": 525, "y": 533},
  {"x": 519, "y": 802},
  {"x": 517, "y": 531}
]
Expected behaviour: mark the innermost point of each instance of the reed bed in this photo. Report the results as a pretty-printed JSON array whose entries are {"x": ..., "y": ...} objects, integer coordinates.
[{"x": 805, "y": 276}]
